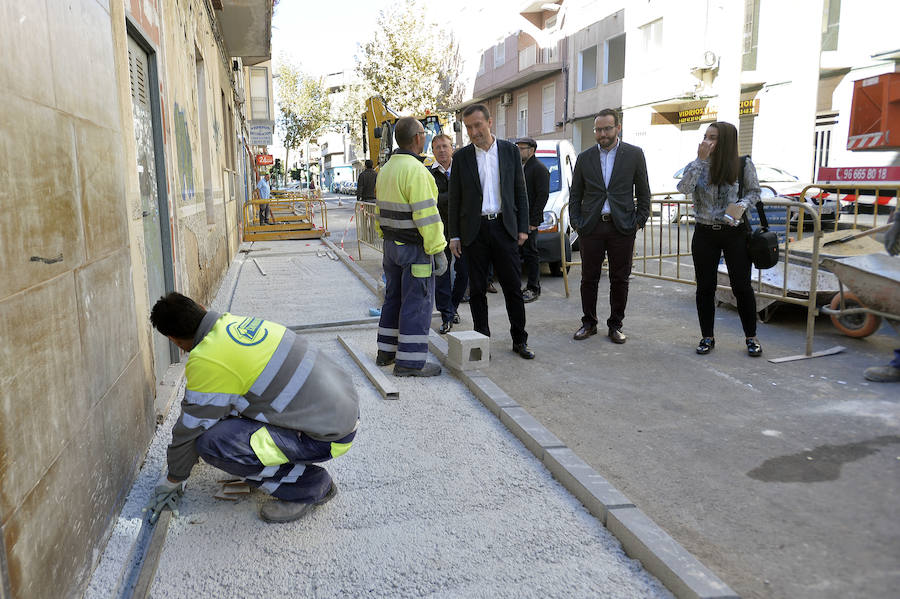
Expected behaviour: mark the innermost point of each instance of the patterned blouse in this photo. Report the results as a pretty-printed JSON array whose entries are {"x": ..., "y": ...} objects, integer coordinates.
[{"x": 711, "y": 200}]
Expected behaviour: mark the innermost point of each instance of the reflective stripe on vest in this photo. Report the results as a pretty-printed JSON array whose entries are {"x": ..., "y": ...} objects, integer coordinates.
[{"x": 339, "y": 449}]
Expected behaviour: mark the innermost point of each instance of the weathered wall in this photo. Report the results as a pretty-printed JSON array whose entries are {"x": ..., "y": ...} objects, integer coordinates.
[
  {"x": 74, "y": 419},
  {"x": 197, "y": 176},
  {"x": 76, "y": 362}
]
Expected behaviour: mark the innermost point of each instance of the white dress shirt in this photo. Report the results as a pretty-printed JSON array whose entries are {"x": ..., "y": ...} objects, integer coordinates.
[
  {"x": 489, "y": 173},
  {"x": 607, "y": 160}
]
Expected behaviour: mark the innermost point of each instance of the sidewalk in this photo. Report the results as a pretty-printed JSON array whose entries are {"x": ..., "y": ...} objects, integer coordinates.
[{"x": 437, "y": 498}]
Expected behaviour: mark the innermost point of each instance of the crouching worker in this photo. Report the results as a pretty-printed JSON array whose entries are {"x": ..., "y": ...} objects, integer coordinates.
[{"x": 260, "y": 403}]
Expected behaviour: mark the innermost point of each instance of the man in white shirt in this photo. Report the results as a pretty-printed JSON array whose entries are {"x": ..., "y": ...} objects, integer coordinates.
[
  {"x": 488, "y": 221},
  {"x": 265, "y": 214}
]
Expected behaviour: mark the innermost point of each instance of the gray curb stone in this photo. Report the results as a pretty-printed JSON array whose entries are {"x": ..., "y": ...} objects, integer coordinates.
[
  {"x": 596, "y": 493},
  {"x": 536, "y": 437},
  {"x": 680, "y": 571}
]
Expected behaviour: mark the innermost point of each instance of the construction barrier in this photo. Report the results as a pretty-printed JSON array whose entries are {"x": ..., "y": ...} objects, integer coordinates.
[
  {"x": 663, "y": 251},
  {"x": 295, "y": 218},
  {"x": 366, "y": 233}
]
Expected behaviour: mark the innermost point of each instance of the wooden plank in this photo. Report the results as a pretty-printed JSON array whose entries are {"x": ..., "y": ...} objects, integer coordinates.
[
  {"x": 386, "y": 387},
  {"x": 818, "y": 354}
]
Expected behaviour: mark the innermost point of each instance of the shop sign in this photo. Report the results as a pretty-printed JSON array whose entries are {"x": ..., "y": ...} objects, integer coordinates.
[
  {"x": 264, "y": 160},
  {"x": 260, "y": 132}
]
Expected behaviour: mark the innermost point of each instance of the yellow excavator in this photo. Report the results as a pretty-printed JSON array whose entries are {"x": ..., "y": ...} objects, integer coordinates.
[{"x": 378, "y": 131}]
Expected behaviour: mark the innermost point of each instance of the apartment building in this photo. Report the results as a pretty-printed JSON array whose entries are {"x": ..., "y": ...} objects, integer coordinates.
[{"x": 125, "y": 160}]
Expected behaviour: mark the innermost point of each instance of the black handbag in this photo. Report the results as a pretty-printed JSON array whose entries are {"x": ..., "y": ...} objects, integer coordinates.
[{"x": 762, "y": 244}]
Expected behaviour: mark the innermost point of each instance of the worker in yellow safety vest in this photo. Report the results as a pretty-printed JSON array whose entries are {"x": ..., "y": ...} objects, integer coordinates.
[
  {"x": 260, "y": 402},
  {"x": 409, "y": 222}
]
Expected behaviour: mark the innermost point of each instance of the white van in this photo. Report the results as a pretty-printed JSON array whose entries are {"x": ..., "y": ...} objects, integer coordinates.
[{"x": 558, "y": 155}]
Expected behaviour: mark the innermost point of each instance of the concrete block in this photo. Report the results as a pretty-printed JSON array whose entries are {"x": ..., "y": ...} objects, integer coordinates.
[
  {"x": 468, "y": 350},
  {"x": 663, "y": 557},
  {"x": 529, "y": 431},
  {"x": 493, "y": 397},
  {"x": 596, "y": 493}
]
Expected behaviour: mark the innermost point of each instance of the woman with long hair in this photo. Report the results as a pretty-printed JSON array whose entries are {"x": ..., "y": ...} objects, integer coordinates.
[{"x": 713, "y": 181}]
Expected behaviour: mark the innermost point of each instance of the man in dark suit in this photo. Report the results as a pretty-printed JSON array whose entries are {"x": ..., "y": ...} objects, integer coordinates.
[
  {"x": 537, "y": 183},
  {"x": 608, "y": 178},
  {"x": 448, "y": 292},
  {"x": 489, "y": 221},
  {"x": 365, "y": 184}
]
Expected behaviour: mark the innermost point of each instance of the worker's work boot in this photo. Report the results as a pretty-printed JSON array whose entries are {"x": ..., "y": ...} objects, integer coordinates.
[
  {"x": 428, "y": 370},
  {"x": 287, "y": 511},
  {"x": 883, "y": 374}
]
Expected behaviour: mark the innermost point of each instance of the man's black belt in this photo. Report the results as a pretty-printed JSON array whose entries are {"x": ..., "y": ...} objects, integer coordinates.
[
  {"x": 491, "y": 216},
  {"x": 716, "y": 227},
  {"x": 606, "y": 217}
]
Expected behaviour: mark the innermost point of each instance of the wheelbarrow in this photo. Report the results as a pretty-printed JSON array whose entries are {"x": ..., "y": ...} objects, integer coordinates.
[{"x": 872, "y": 293}]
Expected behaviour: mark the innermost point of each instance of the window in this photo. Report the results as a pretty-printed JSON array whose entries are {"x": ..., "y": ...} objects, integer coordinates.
[
  {"x": 501, "y": 120},
  {"x": 481, "y": 66},
  {"x": 548, "y": 108},
  {"x": 550, "y": 55},
  {"x": 499, "y": 54},
  {"x": 614, "y": 67},
  {"x": 831, "y": 20},
  {"x": 527, "y": 57},
  {"x": 587, "y": 69},
  {"x": 522, "y": 116},
  {"x": 751, "y": 35},
  {"x": 259, "y": 93},
  {"x": 652, "y": 39},
  {"x": 550, "y": 23},
  {"x": 552, "y": 164}
]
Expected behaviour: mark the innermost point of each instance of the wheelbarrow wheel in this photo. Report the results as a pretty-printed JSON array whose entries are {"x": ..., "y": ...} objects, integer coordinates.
[{"x": 853, "y": 325}]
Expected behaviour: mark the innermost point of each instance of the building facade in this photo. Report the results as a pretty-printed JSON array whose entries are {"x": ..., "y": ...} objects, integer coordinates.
[
  {"x": 126, "y": 162},
  {"x": 782, "y": 73}
]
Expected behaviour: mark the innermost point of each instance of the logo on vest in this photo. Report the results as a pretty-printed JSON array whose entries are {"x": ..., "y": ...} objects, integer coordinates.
[{"x": 249, "y": 331}]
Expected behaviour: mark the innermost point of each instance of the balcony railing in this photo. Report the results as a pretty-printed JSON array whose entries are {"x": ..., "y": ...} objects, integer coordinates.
[{"x": 530, "y": 56}]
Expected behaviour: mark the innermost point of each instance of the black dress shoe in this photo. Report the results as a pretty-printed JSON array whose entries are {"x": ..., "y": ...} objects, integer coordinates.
[
  {"x": 529, "y": 295},
  {"x": 706, "y": 344},
  {"x": 617, "y": 336},
  {"x": 384, "y": 358},
  {"x": 456, "y": 319},
  {"x": 584, "y": 332},
  {"x": 753, "y": 347},
  {"x": 522, "y": 350},
  {"x": 491, "y": 288},
  {"x": 445, "y": 327}
]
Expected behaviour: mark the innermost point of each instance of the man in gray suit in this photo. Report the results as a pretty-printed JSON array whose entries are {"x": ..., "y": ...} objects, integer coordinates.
[{"x": 608, "y": 178}]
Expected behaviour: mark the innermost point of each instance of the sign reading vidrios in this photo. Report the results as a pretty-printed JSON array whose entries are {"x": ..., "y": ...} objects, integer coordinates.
[
  {"x": 264, "y": 160},
  {"x": 705, "y": 113}
]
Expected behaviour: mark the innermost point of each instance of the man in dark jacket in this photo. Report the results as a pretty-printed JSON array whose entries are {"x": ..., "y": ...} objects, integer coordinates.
[
  {"x": 365, "y": 184},
  {"x": 448, "y": 293},
  {"x": 537, "y": 183}
]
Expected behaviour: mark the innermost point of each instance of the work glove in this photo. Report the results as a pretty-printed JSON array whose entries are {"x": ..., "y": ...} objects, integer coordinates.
[
  {"x": 892, "y": 237},
  {"x": 440, "y": 263},
  {"x": 165, "y": 495}
]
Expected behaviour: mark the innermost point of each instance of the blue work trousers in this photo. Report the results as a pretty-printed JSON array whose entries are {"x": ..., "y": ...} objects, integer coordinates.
[
  {"x": 408, "y": 300},
  {"x": 226, "y": 445}
]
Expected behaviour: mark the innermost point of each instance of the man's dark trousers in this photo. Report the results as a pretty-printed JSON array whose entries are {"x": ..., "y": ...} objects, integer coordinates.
[
  {"x": 448, "y": 289},
  {"x": 408, "y": 300},
  {"x": 494, "y": 245},
  {"x": 605, "y": 241},
  {"x": 532, "y": 262}
]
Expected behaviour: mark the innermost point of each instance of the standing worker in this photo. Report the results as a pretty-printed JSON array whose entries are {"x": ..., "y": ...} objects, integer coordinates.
[
  {"x": 537, "y": 184},
  {"x": 489, "y": 221},
  {"x": 608, "y": 178},
  {"x": 447, "y": 293},
  {"x": 365, "y": 184},
  {"x": 265, "y": 213},
  {"x": 407, "y": 217},
  {"x": 260, "y": 403}
]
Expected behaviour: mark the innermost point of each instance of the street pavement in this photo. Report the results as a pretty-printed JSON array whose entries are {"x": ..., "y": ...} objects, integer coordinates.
[
  {"x": 781, "y": 478},
  {"x": 436, "y": 498}
]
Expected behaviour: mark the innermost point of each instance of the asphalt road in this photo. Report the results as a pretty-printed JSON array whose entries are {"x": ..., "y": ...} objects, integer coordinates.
[{"x": 782, "y": 478}]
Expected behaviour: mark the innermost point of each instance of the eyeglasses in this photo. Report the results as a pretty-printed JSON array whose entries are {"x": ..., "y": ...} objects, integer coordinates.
[{"x": 609, "y": 129}]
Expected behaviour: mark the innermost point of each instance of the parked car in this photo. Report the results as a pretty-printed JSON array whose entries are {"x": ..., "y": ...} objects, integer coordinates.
[{"x": 558, "y": 155}]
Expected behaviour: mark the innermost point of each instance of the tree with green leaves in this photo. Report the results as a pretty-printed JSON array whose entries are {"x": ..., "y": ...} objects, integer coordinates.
[
  {"x": 303, "y": 105},
  {"x": 411, "y": 61}
]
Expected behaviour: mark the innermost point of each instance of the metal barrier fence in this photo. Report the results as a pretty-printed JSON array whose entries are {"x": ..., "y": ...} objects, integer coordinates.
[
  {"x": 366, "y": 233},
  {"x": 665, "y": 241},
  {"x": 295, "y": 218}
]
